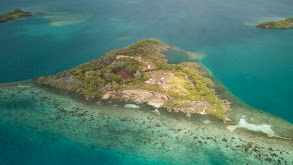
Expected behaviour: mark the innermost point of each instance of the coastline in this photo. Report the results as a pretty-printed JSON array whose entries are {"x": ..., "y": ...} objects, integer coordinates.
[
  {"x": 234, "y": 115},
  {"x": 59, "y": 18},
  {"x": 250, "y": 67},
  {"x": 281, "y": 24},
  {"x": 240, "y": 112},
  {"x": 138, "y": 96},
  {"x": 143, "y": 68},
  {"x": 15, "y": 14},
  {"x": 91, "y": 123},
  {"x": 192, "y": 56},
  {"x": 253, "y": 136}
]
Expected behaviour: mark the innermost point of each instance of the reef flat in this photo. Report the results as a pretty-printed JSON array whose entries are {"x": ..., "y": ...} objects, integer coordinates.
[
  {"x": 146, "y": 132},
  {"x": 59, "y": 17},
  {"x": 15, "y": 14},
  {"x": 282, "y": 24},
  {"x": 140, "y": 73}
]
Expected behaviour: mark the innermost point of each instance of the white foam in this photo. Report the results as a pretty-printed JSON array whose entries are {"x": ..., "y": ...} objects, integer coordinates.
[
  {"x": 23, "y": 86},
  {"x": 157, "y": 111},
  {"x": 232, "y": 127},
  {"x": 131, "y": 106}
]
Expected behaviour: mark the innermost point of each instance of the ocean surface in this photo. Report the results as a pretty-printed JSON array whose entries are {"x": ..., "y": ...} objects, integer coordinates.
[{"x": 256, "y": 65}]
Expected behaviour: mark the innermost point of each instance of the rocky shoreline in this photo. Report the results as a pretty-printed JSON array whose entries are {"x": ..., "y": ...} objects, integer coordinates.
[
  {"x": 141, "y": 73},
  {"x": 155, "y": 99}
]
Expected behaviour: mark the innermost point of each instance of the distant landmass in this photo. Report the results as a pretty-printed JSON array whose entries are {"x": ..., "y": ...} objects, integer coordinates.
[
  {"x": 282, "y": 24},
  {"x": 16, "y": 13},
  {"x": 140, "y": 73}
]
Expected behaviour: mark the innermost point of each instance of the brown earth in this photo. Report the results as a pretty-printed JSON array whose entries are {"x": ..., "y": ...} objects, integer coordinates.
[{"x": 121, "y": 72}]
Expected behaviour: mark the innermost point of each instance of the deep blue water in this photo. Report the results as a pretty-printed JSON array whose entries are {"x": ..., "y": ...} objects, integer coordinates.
[{"x": 255, "y": 65}]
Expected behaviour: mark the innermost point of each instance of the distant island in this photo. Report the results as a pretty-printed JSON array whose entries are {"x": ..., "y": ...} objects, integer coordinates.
[
  {"x": 140, "y": 73},
  {"x": 16, "y": 13},
  {"x": 282, "y": 24}
]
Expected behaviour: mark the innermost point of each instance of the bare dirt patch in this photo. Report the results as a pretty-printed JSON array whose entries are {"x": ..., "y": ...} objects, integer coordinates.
[{"x": 121, "y": 72}]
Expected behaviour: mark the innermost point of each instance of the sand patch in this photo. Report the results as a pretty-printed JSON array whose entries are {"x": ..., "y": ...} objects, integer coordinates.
[
  {"x": 168, "y": 137},
  {"x": 124, "y": 38},
  {"x": 264, "y": 128},
  {"x": 23, "y": 86},
  {"x": 249, "y": 24},
  {"x": 61, "y": 17},
  {"x": 131, "y": 106},
  {"x": 157, "y": 112},
  {"x": 193, "y": 56}
]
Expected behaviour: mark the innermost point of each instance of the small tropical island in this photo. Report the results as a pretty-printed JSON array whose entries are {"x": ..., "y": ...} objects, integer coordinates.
[
  {"x": 282, "y": 24},
  {"x": 15, "y": 14},
  {"x": 140, "y": 73}
]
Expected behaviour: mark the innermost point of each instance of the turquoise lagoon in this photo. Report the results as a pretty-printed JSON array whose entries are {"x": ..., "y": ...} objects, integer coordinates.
[{"x": 254, "y": 64}]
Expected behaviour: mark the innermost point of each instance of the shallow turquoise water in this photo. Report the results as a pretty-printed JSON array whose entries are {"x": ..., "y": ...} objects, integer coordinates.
[
  {"x": 37, "y": 120},
  {"x": 25, "y": 146},
  {"x": 262, "y": 73},
  {"x": 176, "y": 57},
  {"x": 255, "y": 65}
]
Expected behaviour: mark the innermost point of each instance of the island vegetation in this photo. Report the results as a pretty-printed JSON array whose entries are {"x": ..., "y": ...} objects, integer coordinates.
[
  {"x": 141, "y": 71},
  {"x": 282, "y": 24},
  {"x": 16, "y": 13}
]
